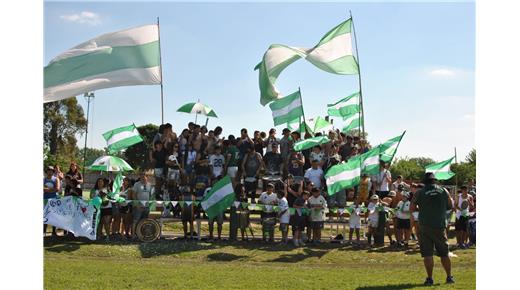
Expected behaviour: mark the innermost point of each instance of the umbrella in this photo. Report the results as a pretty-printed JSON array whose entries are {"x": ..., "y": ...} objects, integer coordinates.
[
  {"x": 197, "y": 108},
  {"x": 110, "y": 163},
  {"x": 310, "y": 142}
]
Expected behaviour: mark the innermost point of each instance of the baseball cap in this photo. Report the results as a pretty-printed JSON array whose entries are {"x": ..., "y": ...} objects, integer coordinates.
[
  {"x": 49, "y": 168},
  {"x": 391, "y": 193},
  {"x": 429, "y": 176},
  {"x": 374, "y": 197}
]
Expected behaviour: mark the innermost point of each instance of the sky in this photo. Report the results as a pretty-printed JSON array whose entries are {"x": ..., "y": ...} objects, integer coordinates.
[{"x": 417, "y": 63}]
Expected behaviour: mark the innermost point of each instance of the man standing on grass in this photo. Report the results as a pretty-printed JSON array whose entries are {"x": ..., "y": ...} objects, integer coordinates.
[{"x": 433, "y": 202}]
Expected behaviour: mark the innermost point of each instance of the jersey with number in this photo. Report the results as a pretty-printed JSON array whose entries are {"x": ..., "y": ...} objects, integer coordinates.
[{"x": 217, "y": 162}]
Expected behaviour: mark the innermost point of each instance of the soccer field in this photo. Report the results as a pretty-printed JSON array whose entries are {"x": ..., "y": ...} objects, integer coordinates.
[{"x": 179, "y": 264}]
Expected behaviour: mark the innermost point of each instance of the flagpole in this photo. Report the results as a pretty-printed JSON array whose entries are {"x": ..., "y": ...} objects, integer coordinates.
[
  {"x": 160, "y": 72},
  {"x": 361, "y": 112},
  {"x": 456, "y": 178},
  {"x": 398, "y": 143},
  {"x": 303, "y": 111},
  {"x": 88, "y": 96}
]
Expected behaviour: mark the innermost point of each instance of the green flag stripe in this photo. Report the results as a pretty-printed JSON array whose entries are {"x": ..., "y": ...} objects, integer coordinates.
[
  {"x": 285, "y": 101},
  {"x": 105, "y": 60},
  {"x": 340, "y": 29}
]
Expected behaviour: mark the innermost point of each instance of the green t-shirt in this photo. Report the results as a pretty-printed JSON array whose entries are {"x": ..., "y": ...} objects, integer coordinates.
[
  {"x": 234, "y": 152},
  {"x": 433, "y": 204}
]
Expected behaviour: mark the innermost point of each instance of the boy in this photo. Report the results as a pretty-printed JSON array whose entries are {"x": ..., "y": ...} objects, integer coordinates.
[
  {"x": 354, "y": 221},
  {"x": 403, "y": 220},
  {"x": 283, "y": 215},
  {"x": 298, "y": 220},
  {"x": 187, "y": 211},
  {"x": 315, "y": 174},
  {"x": 216, "y": 161},
  {"x": 373, "y": 217},
  {"x": 317, "y": 203},
  {"x": 268, "y": 199},
  {"x": 243, "y": 212},
  {"x": 220, "y": 220},
  {"x": 200, "y": 183},
  {"x": 232, "y": 156}
]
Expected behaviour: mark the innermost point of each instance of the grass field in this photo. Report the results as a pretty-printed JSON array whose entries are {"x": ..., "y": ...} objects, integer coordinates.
[{"x": 179, "y": 264}]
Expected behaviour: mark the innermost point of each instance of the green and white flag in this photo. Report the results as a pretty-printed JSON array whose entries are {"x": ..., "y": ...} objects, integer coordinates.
[
  {"x": 287, "y": 109},
  {"x": 315, "y": 125},
  {"x": 344, "y": 175},
  {"x": 441, "y": 170},
  {"x": 389, "y": 148},
  {"x": 310, "y": 142},
  {"x": 370, "y": 161},
  {"x": 345, "y": 107},
  {"x": 352, "y": 122},
  {"x": 123, "y": 58},
  {"x": 122, "y": 138},
  {"x": 333, "y": 54},
  {"x": 220, "y": 197}
]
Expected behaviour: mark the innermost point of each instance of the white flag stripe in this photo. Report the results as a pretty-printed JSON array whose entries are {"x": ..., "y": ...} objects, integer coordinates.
[
  {"x": 133, "y": 76},
  {"x": 338, "y": 47},
  {"x": 217, "y": 196},
  {"x": 122, "y": 135},
  {"x": 446, "y": 168},
  {"x": 129, "y": 37},
  {"x": 373, "y": 160},
  {"x": 277, "y": 55},
  {"x": 344, "y": 175},
  {"x": 350, "y": 102},
  {"x": 285, "y": 110}
]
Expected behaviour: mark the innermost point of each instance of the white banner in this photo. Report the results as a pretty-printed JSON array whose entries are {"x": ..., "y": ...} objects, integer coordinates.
[{"x": 72, "y": 214}]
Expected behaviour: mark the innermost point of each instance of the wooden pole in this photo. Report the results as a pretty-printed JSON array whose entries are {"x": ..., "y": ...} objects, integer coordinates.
[
  {"x": 160, "y": 73},
  {"x": 361, "y": 112}
]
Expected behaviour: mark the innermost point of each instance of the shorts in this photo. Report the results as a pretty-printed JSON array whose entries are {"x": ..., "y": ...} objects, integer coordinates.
[
  {"x": 298, "y": 222},
  {"x": 250, "y": 186},
  {"x": 284, "y": 227},
  {"x": 125, "y": 209},
  {"x": 106, "y": 211},
  {"x": 317, "y": 225},
  {"x": 219, "y": 219},
  {"x": 354, "y": 222},
  {"x": 430, "y": 238},
  {"x": 461, "y": 224},
  {"x": 339, "y": 199},
  {"x": 158, "y": 172},
  {"x": 140, "y": 213},
  {"x": 403, "y": 224},
  {"x": 232, "y": 171},
  {"x": 373, "y": 223},
  {"x": 189, "y": 168},
  {"x": 382, "y": 194},
  {"x": 187, "y": 213}
]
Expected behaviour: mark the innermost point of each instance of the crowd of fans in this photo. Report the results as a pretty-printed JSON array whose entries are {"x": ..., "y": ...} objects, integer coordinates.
[{"x": 186, "y": 166}]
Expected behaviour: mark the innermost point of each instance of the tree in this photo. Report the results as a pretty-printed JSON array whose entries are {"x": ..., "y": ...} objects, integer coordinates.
[
  {"x": 137, "y": 155},
  {"x": 62, "y": 121},
  {"x": 410, "y": 168},
  {"x": 92, "y": 154},
  {"x": 472, "y": 157}
]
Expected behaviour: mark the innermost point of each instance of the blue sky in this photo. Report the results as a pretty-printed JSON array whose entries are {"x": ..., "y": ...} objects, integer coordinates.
[{"x": 417, "y": 65}]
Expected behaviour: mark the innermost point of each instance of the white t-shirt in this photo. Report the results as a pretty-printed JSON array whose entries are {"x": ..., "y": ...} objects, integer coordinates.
[
  {"x": 354, "y": 219},
  {"x": 217, "y": 161},
  {"x": 97, "y": 193},
  {"x": 403, "y": 210},
  {"x": 284, "y": 205},
  {"x": 268, "y": 199},
  {"x": 317, "y": 214},
  {"x": 191, "y": 157},
  {"x": 143, "y": 191},
  {"x": 381, "y": 178},
  {"x": 373, "y": 215},
  {"x": 314, "y": 175}
]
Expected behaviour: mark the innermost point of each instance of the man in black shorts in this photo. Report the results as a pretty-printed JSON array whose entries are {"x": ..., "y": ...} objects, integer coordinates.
[{"x": 433, "y": 202}]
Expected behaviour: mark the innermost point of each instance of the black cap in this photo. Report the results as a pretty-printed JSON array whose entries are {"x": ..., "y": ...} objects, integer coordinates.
[
  {"x": 400, "y": 187},
  {"x": 429, "y": 176}
]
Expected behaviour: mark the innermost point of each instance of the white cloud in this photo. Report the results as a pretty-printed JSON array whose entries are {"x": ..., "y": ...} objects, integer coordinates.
[
  {"x": 443, "y": 72},
  {"x": 84, "y": 17}
]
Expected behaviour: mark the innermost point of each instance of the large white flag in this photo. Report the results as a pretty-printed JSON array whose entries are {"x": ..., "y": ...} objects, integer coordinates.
[
  {"x": 124, "y": 58},
  {"x": 72, "y": 214}
]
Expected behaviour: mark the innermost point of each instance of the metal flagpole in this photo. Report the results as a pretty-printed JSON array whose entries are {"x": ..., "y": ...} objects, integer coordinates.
[
  {"x": 303, "y": 111},
  {"x": 361, "y": 112},
  {"x": 88, "y": 96},
  {"x": 160, "y": 72}
]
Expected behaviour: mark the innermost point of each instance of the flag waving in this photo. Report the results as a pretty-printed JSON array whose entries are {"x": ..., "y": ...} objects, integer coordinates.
[
  {"x": 344, "y": 175},
  {"x": 123, "y": 58},
  {"x": 441, "y": 170},
  {"x": 344, "y": 107},
  {"x": 121, "y": 138},
  {"x": 332, "y": 54},
  {"x": 220, "y": 197},
  {"x": 389, "y": 148},
  {"x": 287, "y": 109}
]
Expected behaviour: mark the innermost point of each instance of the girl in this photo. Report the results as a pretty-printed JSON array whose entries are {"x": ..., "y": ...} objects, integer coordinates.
[
  {"x": 373, "y": 217},
  {"x": 125, "y": 208},
  {"x": 101, "y": 191},
  {"x": 403, "y": 220}
]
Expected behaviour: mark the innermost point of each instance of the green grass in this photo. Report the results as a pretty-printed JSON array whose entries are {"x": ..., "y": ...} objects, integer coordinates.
[{"x": 178, "y": 264}]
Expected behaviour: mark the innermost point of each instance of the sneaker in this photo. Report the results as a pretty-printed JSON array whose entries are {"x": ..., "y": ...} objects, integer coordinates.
[
  {"x": 449, "y": 280},
  {"x": 428, "y": 282}
]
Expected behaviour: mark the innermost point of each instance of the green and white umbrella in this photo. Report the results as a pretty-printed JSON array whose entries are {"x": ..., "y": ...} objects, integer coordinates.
[
  {"x": 310, "y": 142},
  {"x": 110, "y": 163},
  {"x": 197, "y": 108}
]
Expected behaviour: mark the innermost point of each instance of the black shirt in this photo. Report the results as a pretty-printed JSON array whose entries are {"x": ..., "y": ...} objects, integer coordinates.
[
  {"x": 273, "y": 161},
  {"x": 160, "y": 158}
]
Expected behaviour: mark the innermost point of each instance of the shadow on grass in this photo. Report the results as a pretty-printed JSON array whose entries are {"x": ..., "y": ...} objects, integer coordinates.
[
  {"x": 298, "y": 257},
  {"x": 64, "y": 248},
  {"x": 224, "y": 257},
  {"x": 390, "y": 287}
]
